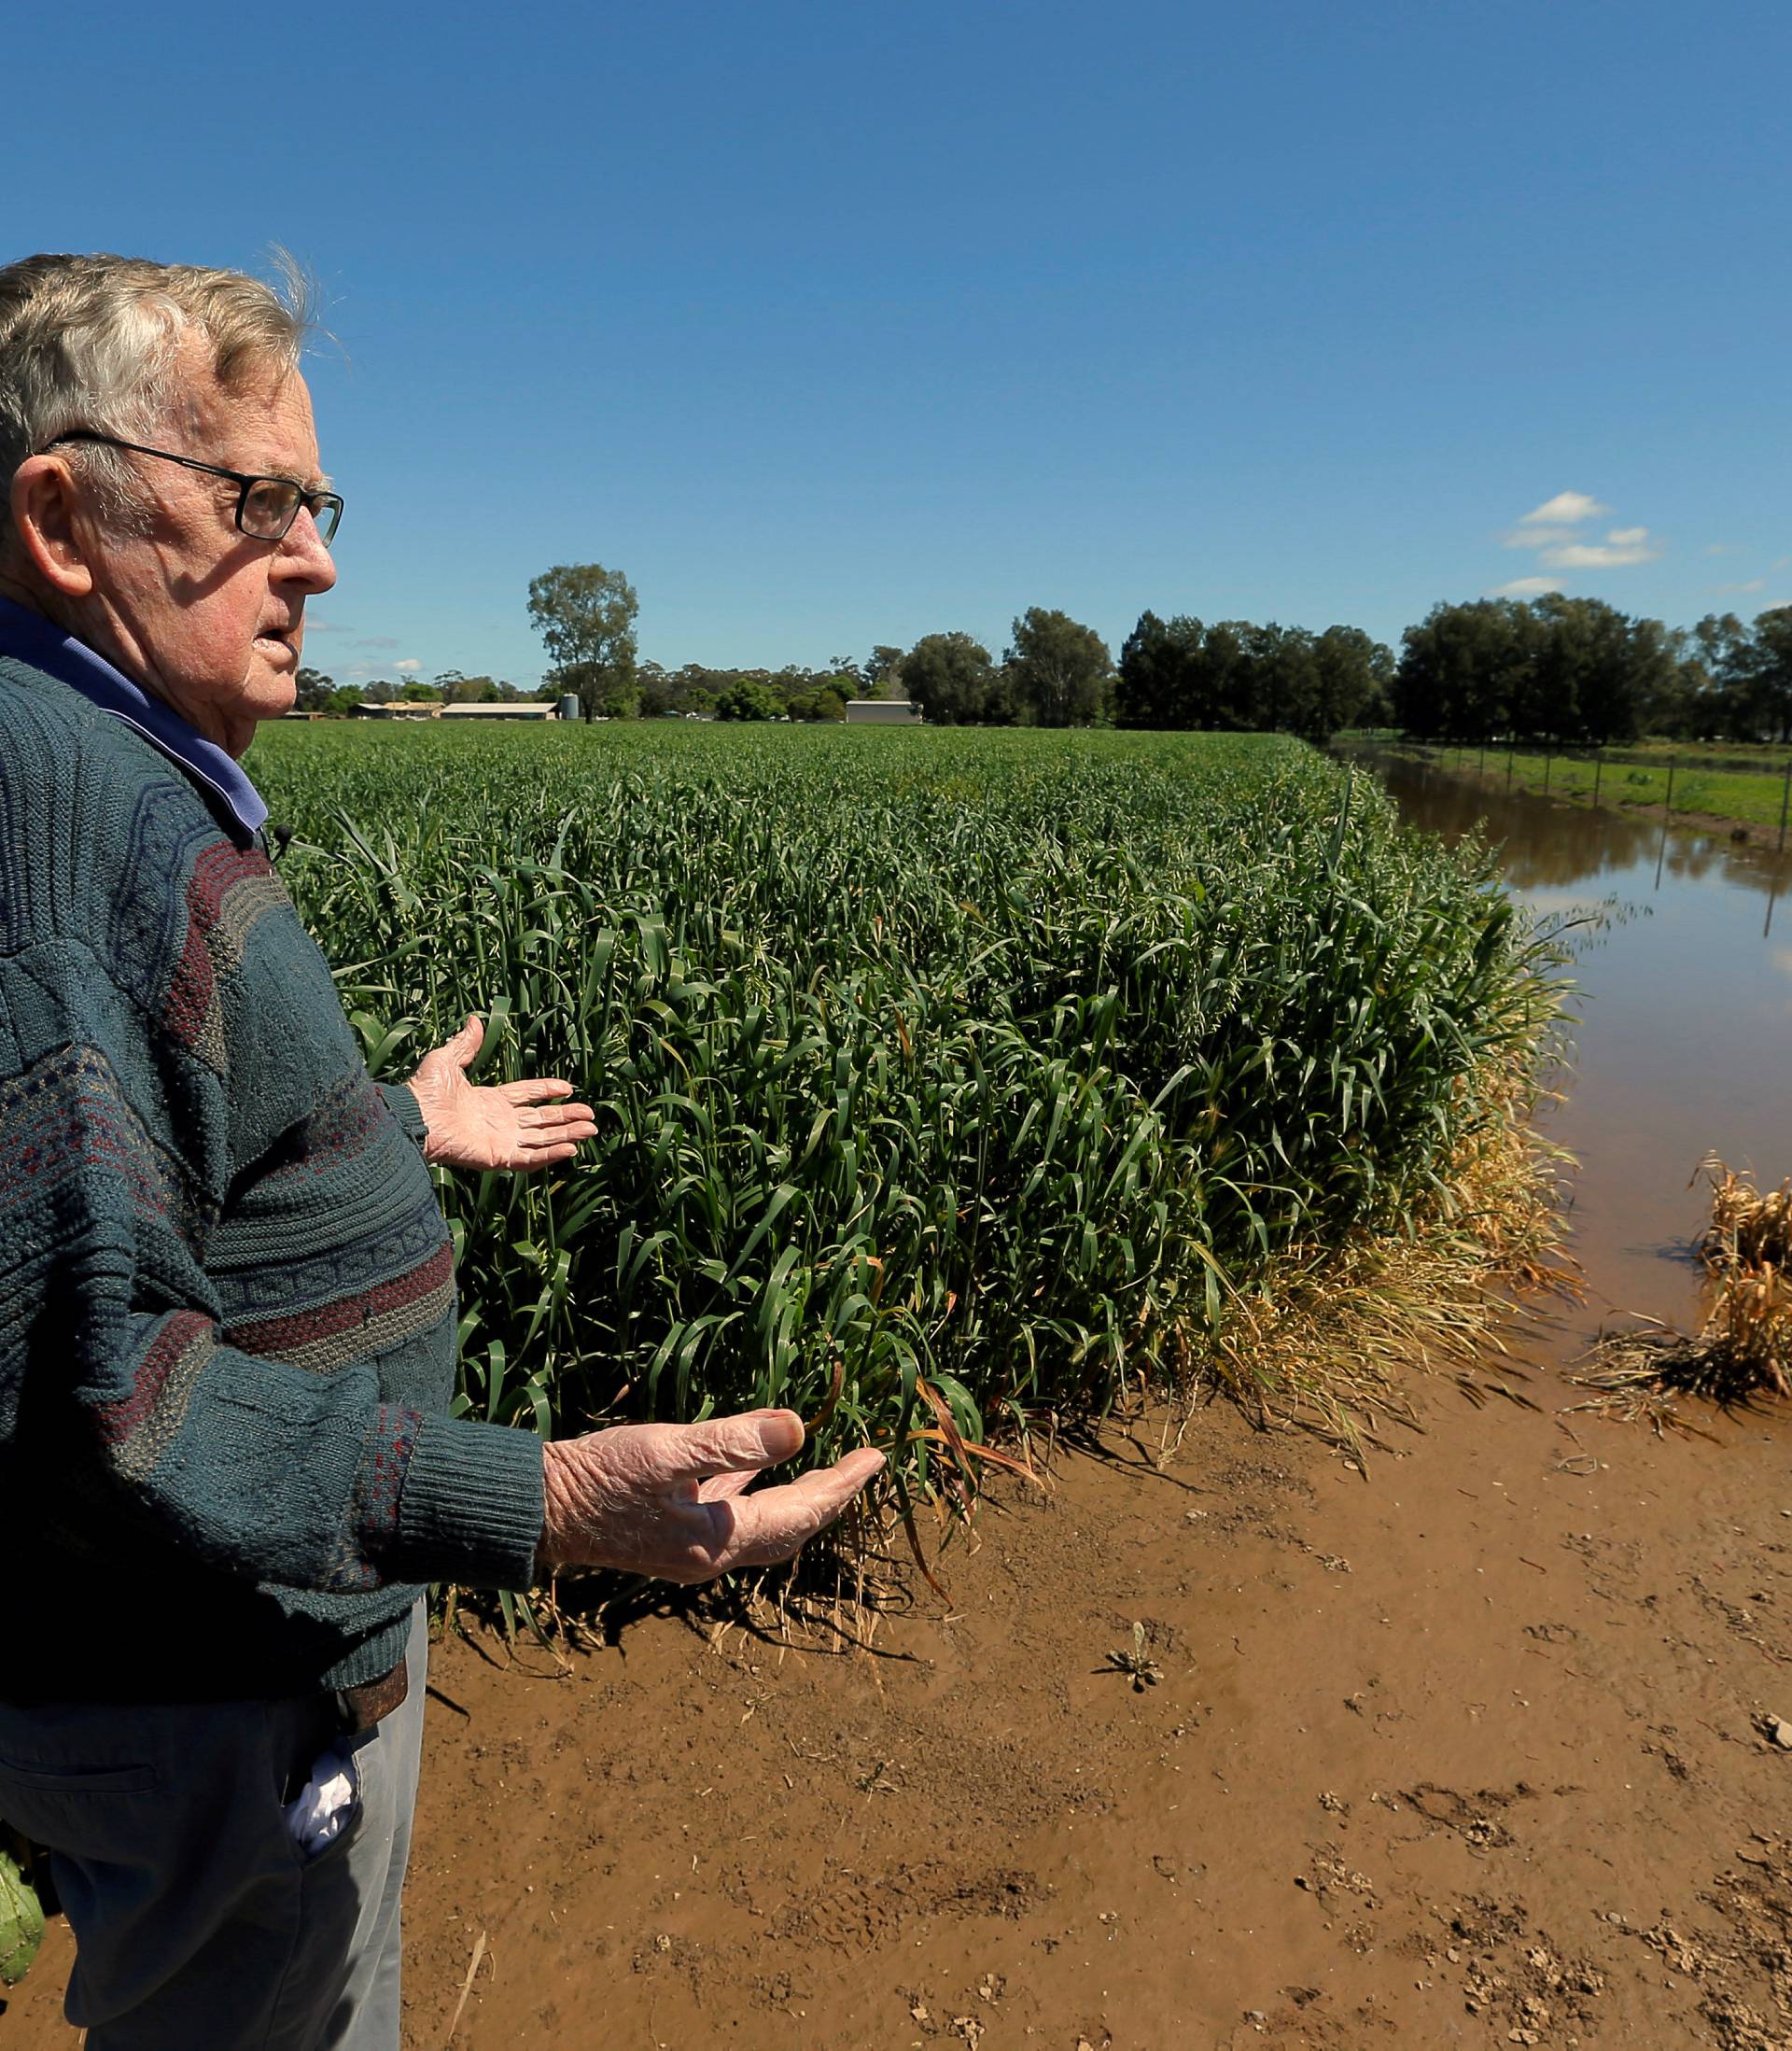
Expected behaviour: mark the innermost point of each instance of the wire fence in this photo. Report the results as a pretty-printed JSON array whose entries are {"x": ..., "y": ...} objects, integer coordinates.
[{"x": 1558, "y": 763}]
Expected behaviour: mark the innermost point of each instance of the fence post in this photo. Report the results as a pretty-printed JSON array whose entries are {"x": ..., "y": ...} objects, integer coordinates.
[
  {"x": 1599, "y": 764},
  {"x": 1785, "y": 797},
  {"x": 1548, "y": 756},
  {"x": 1667, "y": 802},
  {"x": 1511, "y": 752}
]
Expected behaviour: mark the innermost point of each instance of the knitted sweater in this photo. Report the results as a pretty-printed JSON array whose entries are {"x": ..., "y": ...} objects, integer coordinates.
[{"x": 227, "y": 1297}]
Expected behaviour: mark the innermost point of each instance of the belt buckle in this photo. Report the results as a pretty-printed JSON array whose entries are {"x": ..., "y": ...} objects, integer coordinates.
[{"x": 367, "y": 1705}]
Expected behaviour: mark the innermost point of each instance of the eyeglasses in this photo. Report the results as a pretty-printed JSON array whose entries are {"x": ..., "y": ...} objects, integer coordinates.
[{"x": 266, "y": 507}]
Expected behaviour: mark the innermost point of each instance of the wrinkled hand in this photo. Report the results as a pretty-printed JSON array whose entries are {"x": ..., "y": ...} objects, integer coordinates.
[
  {"x": 666, "y": 1500},
  {"x": 503, "y": 1125}
]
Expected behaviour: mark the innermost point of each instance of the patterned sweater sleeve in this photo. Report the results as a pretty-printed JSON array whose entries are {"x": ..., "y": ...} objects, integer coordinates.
[
  {"x": 117, "y": 1371},
  {"x": 227, "y": 1308},
  {"x": 401, "y": 1101}
]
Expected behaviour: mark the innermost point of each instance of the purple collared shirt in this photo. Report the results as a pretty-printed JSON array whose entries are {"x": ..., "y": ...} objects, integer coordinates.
[{"x": 32, "y": 638}]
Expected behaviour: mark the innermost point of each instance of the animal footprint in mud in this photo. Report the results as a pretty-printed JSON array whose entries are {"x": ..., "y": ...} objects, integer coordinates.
[{"x": 1475, "y": 1822}]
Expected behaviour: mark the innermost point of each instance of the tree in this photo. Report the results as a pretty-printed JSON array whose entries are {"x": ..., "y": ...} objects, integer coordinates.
[
  {"x": 586, "y": 616},
  {"x": 1223, "y": 689},
  {"x": 1467, "y": 672},
  {"x": 1355, "y": 682},
  {"x": 1768, "y": 683},
  {"x": 1561, "y": 682},
  {"x": 312, "y": 691},
  {"x": 882, "y": 672},
  {"x": 1718, "y": 662},
  {"x": 1142, "y": 687},
  {"x": 1284, "y": 677},
  {"x": 953, "y": 681},
  {"x": 825, "y": 701},
  {"x": 1610, "y": 662},
  {"x": 1154, "y": 686},
  {"x": 659, "y": 691},
  {"x": 1061, "y": 673},
  {"x": 1670, "y": 680},
  {"x": 750, "y": 698},
  {"x": 453, "y": 688}
]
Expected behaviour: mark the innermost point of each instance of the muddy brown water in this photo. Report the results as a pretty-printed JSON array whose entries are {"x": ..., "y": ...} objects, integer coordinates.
[
  {"x": 1681, "y": 1043},
  {"x": 1472, "y": 1751}
]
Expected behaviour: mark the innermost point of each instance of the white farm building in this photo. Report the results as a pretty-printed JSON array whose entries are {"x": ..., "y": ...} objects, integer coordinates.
[{"x": 882, "y": 713}]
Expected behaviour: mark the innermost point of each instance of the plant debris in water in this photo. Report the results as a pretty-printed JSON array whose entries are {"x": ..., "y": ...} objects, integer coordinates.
[{"x": 1745, "y": 1347}]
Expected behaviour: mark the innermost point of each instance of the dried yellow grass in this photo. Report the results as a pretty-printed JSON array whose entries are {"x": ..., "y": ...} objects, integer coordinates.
[
  {"x": 1330, "y": 1337},
  {"x": 1748, "y": 1228},
  {"x": 1744, "y": 1349}
]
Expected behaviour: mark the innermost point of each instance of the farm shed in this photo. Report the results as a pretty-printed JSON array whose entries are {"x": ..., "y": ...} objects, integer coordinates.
[
  {"x": 882, "y": 713},
  {"x": 497, "y": 711}
]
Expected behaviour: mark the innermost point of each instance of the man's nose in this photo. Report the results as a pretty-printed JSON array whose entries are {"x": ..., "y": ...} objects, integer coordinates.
[{"x": 302, "y": 558}]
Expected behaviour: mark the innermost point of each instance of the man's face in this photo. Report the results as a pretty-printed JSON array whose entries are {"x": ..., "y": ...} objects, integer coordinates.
[{"x": 203, "y": 617}]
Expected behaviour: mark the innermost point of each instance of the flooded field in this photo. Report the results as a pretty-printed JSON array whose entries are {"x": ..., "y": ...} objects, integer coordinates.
[
  {"x": 1684, "y": 1027},
  {"x": 1475, "y": 1747}
]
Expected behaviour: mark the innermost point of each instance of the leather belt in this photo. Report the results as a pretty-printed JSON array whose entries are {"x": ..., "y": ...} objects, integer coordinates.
[{"x": 364, "y": 1707}]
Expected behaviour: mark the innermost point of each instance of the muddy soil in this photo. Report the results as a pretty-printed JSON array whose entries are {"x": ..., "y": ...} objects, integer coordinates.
[{"x": 1477, "y": 1750}]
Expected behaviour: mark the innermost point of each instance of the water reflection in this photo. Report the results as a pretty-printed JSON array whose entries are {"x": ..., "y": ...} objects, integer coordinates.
[
  {"x": 1548, "y": 843},
  {"x": 1683, "y": 1040}
]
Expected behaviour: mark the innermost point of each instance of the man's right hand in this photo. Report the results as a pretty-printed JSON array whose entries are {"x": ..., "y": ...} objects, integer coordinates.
[{"x": 665, "y": 1500}]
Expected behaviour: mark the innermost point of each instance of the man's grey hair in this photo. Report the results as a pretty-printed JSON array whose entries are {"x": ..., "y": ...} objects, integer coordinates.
[{"x": 95, "y": 342}]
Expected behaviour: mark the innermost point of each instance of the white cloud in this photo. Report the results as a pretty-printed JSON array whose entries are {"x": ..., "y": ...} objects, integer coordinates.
[
  {"x": 1565, "y": 508},
  {"x": 1722, "y": 548},
  {"x": 410, "y": 662},
  {"x": 1551, "y": 531},
  {"x": 314, "y": 625},
  {"x": 1622, "y": 547},
  {"x": 1754, "y": 583}
]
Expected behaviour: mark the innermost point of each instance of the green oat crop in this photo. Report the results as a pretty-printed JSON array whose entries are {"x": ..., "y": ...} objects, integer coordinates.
[{"x": 943, "y": 1076}]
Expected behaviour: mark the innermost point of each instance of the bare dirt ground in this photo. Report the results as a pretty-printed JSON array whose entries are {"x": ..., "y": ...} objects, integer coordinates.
[{"x": 1478, "y": 1750}]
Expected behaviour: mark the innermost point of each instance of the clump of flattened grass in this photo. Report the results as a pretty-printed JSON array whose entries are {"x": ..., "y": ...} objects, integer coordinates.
[{"x": 1744, "y": 1349}]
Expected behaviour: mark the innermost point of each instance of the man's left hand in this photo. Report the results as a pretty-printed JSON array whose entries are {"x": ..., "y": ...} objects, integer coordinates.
[{"x": 501, "y": 1125}]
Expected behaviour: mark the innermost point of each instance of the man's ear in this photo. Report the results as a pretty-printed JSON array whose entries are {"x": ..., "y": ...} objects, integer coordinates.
[{"x": 48, "y": 535}]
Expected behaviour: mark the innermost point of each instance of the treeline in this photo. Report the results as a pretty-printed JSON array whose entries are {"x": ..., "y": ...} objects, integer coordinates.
[
  {"x": 1553, "y": 669},
  {"x": 790, "y": 693},
  {"x": 317, "y": 693},
  {"x": 651, "y": 693},
  {"x": 1579, "y": 672},
  {"x": 1233, "y": 676},
  {"x": 1238, "y": 677}
]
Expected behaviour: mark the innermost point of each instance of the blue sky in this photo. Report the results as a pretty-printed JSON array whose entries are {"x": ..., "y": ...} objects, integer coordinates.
[{"x": 834, "y": 324}]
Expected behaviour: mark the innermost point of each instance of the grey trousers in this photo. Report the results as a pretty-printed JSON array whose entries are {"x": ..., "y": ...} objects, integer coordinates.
[{"x": 197, "y": 1920}]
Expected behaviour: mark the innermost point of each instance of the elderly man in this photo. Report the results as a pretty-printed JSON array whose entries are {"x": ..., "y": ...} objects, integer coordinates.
[{"x": 226, "y": 1302}]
